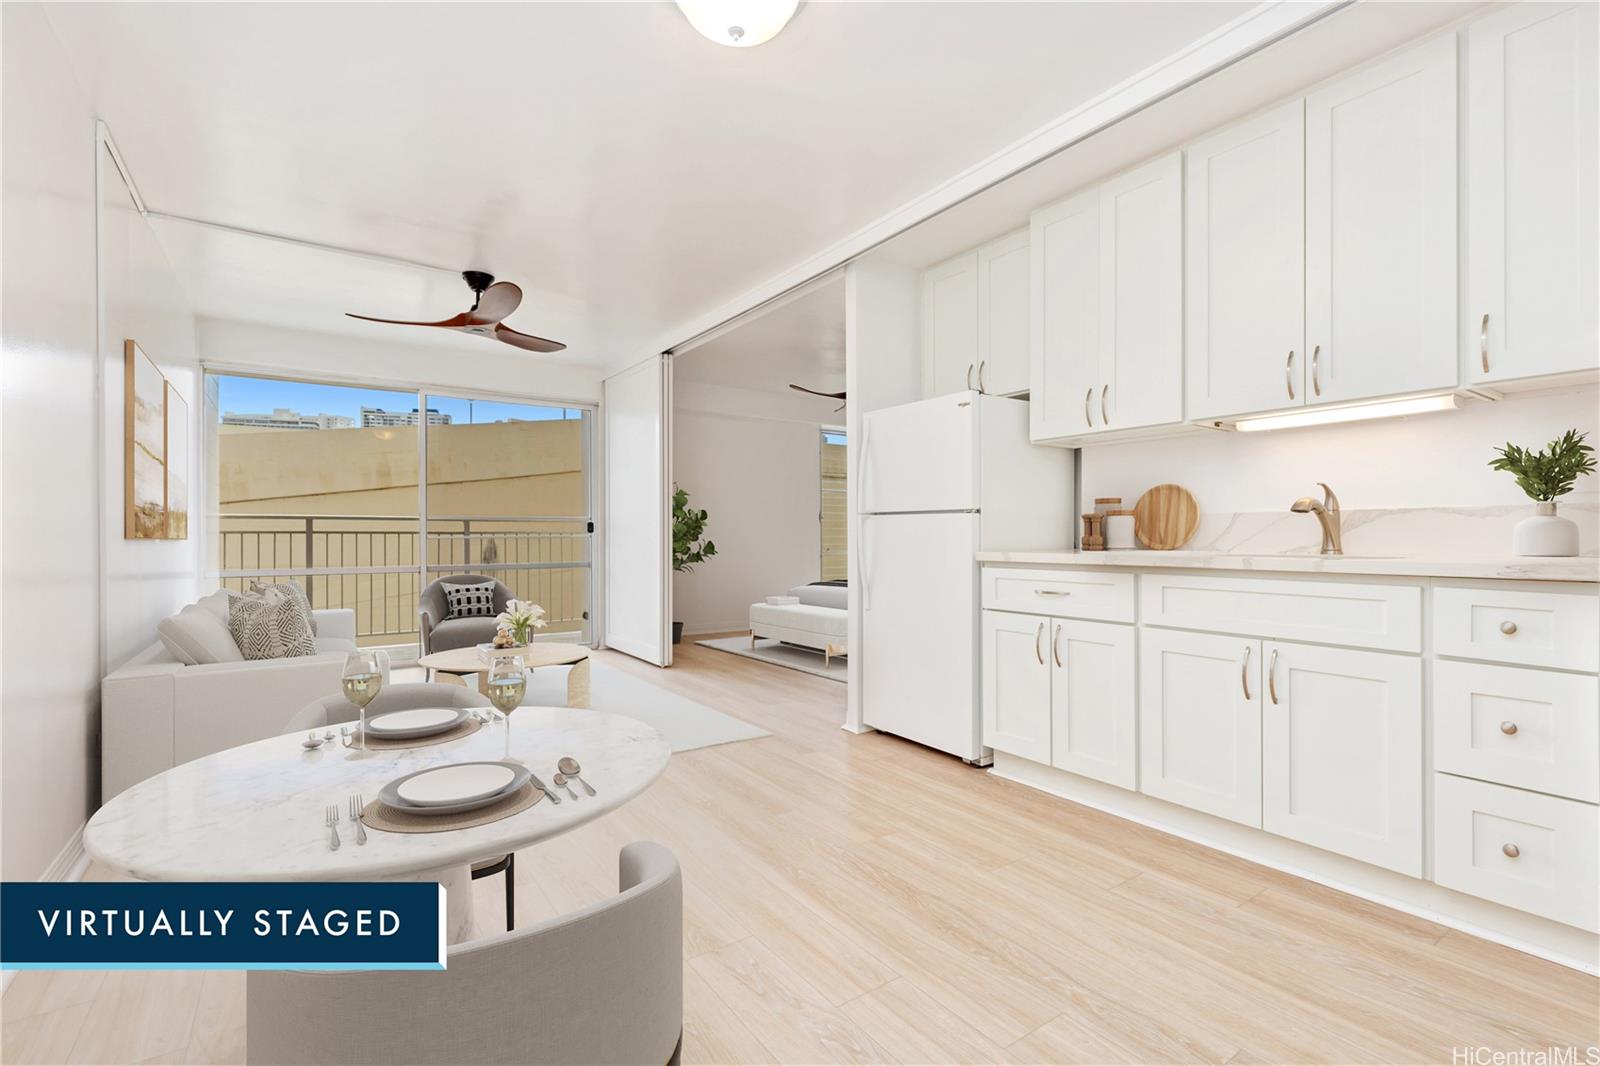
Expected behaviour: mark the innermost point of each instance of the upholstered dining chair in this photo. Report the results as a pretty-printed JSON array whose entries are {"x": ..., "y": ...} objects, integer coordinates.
[
  {"x": 600, "y": 985},
  {"x": 336, "y": 710},
  {"x": 440, "y": 632}
]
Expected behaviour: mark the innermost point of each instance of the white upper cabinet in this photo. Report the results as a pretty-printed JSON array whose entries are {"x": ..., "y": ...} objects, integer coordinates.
[
  {"x": 1064, "y": 336},
  {"x": 1531, "y": 157},
  {"x": 1003, "y": 315},
  {"x": 1107, "y": 337},
  {"x": 1244, "y": 267},
  {"x": 1381, "y": 228},
  {"x": 950, "y": 325}
]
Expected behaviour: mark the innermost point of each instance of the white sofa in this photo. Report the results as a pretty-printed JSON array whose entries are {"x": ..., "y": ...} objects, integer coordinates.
[
  {"x": 192, "y": 692},
  {"x": 821, "y": 619}
]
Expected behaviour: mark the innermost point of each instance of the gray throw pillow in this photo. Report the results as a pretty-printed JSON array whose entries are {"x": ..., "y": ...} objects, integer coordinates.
[
  {"x": 294, "y": 592},
  {"x": 470, "y": 601},
  {"x": 270, "y": 626}
]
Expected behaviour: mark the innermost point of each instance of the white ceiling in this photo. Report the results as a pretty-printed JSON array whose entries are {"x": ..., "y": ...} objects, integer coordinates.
[
  {"x": 799, "y": 342},
  {"x": 626, "y": 172}
]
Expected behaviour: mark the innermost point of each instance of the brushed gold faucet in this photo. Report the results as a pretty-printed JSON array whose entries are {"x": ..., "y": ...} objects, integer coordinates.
[{"x": 1327, "y": 513}]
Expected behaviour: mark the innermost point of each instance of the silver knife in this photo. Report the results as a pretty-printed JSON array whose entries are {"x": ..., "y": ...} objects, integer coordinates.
[{"x": 540, "y": 786}]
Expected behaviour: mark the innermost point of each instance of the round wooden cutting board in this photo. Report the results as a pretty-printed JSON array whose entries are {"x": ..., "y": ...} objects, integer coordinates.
[{"x": 1165, "y": 517}]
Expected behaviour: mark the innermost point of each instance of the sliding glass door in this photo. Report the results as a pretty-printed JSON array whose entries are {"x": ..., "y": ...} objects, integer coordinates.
[{"x": 365, "y": 495}]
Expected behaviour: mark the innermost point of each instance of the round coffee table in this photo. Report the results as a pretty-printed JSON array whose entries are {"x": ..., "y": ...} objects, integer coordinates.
[{"x": 459, "y": 662}]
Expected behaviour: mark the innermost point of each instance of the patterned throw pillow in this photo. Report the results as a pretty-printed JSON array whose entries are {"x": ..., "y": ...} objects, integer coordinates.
[
  {"x": 470, "y": 601},
  {"x": 270, "y": 626},
  {"x": 298, "y": 594}
]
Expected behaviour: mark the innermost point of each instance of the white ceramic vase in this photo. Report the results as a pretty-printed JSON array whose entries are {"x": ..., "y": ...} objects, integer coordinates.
[{"x": 1545, "y": 533}]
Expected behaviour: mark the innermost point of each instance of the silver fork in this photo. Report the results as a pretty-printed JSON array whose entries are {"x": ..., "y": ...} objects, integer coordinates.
[
  {"x": 332, "y": 820},
  {"x": 356, "y": 807}
]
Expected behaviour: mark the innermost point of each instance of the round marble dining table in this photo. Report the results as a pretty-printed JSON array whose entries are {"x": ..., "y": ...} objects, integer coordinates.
[{"x": 256, "y": 812}]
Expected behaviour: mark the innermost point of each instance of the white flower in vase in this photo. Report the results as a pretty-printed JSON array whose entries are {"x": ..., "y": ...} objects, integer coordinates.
[{"x": 521, "y": 618}]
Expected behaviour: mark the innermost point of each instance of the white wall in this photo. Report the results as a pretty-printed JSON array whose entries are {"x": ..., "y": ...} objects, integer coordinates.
[
  {"x": 1433, "y": 460},
  {"x": 753, "y": 460},
  {"x": 477, "y": 366},
  {"x": 49, "y": 449}
]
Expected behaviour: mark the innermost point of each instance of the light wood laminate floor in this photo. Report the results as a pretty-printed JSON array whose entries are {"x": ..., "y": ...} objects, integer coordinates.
[{"x": 861, "y": 899}]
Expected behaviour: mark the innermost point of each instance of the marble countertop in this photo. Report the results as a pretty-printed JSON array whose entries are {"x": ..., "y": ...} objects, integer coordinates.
[
  {"x": 254, "y": 813},
  {"x": 1581, "y": 568}
]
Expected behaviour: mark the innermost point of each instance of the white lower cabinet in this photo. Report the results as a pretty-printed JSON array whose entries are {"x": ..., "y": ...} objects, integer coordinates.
[
  {"x": 1016, "y": 685},
  {"x": 1091, "y": 701},
  {"x": 1341, "y": 752},
  {"x": 1200, "y": 722}
]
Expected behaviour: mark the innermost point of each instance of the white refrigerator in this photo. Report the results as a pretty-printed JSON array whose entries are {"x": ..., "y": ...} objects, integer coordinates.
[{"x": 939, "y": 481}]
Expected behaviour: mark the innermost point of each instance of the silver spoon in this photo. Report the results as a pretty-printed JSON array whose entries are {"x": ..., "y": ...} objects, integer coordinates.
[
  {"x": 569, "y": 766},
  {"x": 561, "y": 782}
]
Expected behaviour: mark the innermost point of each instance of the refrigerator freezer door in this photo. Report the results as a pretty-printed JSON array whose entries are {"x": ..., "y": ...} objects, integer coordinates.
[
  {"x": 921, "y": 456},
  {"x": 919, "y": 592}
]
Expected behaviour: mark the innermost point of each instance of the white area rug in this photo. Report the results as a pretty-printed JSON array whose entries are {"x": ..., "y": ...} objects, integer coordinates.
[
  {"x": 780, "y": 654},
  {"x": 685, "y": 723}
]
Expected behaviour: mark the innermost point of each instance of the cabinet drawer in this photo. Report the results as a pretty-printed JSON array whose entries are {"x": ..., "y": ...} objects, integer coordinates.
[
  {"x": 1104, "y": 597},
  {"x": 1530, "y": 728},
  {"x": 1535, "y": 853},
  {"x": 1560, "y": 629},
  {"x": 1386, "y": 617}
]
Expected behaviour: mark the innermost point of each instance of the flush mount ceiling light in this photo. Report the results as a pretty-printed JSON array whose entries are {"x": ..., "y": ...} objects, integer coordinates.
[
  {"x": 1410, "y": 405},
  {"x": 738, "y": 23}
]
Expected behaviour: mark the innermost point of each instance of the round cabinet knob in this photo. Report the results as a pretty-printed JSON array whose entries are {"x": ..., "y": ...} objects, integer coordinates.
[
  {"x": 1510, "y": 851},
  {"x": 1508, "y": 728},
  {"x": 1508, "y": 628}
]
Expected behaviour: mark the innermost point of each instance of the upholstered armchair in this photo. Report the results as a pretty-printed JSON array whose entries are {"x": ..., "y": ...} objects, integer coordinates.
[{"x": 440, "y": 632}]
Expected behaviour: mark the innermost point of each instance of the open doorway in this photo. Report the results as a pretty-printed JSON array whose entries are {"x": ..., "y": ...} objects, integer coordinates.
[{"x": 764, "y": 574}]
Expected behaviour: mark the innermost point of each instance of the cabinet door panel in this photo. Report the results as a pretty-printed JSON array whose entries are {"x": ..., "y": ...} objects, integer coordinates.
[
  {"x": 1016, "y": 685},
  {"x": 1064, "y": 316},
  {"x": 1003, "y": 315},
  {"x": 1381, "y": 227},
  {"x": 1200, "y": 722},
  {"x": 1532, "y": 157},
  {"x": 1141, "y": 296},
  {"x": 1341, "y": 752},
  {"x": 1092, "y": 706},
  {"x": 950, "y": 324},
  {"x": 1244, "y": 272}
]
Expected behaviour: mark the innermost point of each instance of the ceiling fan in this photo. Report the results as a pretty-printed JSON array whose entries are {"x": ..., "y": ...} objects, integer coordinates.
[
  {"x": 493, "y": 301},
  {"x": 825, "y": 395}
]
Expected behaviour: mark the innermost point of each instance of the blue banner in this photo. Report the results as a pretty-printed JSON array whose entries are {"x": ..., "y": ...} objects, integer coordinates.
[{"x": 249, "y": 925}]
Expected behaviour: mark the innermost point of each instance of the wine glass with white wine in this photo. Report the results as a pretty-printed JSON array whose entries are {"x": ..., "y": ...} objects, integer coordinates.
[
  {"x": 362, "y": 680},
  {"x": 508, "y": 682}
]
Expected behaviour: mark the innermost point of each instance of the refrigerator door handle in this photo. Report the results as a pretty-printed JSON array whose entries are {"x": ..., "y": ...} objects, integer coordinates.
[{"x": 866, "y": 565}]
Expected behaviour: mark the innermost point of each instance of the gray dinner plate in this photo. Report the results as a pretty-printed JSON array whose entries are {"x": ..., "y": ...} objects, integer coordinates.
[
  {"x": 389, "y": 793},
  {"x": 375, "y": 730}
]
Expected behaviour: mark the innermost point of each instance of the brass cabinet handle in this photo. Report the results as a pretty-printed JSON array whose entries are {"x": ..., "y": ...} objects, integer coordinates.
[
  {"x": 981, "y": 365},
  {"x": 1244, "y": 673},
  {"x": 969, "y": 377},
  {"x": 1288, "y": 373},
  {"x": 1088, "y": 415},
  {"x": 1508, "y": 628},
  {"x": 1038, "y": 635},
  {"x": 1272, "y": 676},
  {"x": 1483, "y": 343},
  {"x": 1508, "y": 728},
  {"x": 1055, "y": 646},
  {"x": 1510, "y": 851},
  {"x": 1316, "y": 383}
]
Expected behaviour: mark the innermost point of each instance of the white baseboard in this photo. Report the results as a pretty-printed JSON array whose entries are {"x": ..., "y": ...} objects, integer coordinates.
[
  {"x": 695, "y": 629},
  {"x": 68, "y": 865}
]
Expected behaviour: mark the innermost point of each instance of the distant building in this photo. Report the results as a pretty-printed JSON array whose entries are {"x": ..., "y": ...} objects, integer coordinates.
[
  {"x": 283, "y": 418},
  {"x": 377, "y": 416}
]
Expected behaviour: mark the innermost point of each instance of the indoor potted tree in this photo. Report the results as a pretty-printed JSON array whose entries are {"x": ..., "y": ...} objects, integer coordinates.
[
  {"x": 689, "y": 545},
  {"x": 1545, "y": 476}
]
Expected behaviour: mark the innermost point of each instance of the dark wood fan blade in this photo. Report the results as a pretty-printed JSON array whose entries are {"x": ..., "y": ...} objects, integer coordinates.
[
  {"x": 449, "y": 323},
  {"x": 814, "y": 392},
  {"x": 496, "y": 304},
  {"x": 525, "y": 341}
]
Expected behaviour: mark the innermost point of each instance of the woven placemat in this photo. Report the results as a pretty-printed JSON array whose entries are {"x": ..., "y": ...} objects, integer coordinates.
[
  {"x": 382, "y": 816},
  {"x": 465, "y": 729}
]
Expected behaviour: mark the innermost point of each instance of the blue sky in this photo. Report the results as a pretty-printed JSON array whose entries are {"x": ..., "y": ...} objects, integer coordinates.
[{"x": 260, "y": 395}]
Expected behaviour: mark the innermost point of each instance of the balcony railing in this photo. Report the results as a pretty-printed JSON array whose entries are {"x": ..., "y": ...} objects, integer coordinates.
[{"x": 379, "y": 564}]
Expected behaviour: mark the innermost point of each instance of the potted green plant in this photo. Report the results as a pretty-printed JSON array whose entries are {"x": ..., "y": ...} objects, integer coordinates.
[
  {"x": 689, "y": 545},
  {"x": 1545, "y": 476}
]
